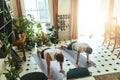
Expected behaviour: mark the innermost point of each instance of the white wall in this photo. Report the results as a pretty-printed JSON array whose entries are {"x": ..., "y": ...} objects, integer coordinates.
[
  {"x": 64, "y": 6},
  {"x": 14, "y": 7},
  {"x": 50, "y": 3},
  {"x": 117, "y": 10}
]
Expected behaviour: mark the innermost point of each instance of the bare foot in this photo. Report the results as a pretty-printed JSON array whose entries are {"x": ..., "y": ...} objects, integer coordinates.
[
  {"x": 77, "y": 65},
  {"x": 38, "y": 51},
  {"x": 88, "y": 62},
  {"x": 62, "y": 71},
  {"x": 63, "y": 47},
  {"x": 49, "y": 76}
]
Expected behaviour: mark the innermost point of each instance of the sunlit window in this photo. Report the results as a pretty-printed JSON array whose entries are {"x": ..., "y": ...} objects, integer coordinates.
[{"x": 37, "y": 8}]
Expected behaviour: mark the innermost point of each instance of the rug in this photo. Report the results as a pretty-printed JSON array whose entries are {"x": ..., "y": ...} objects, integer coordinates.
[{"x": 71, "y": 56}]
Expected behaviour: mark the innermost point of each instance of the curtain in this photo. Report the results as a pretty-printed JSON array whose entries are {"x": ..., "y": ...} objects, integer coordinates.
[
  {"x": 18, "y": 3},
  {"x": 55, "y": 13},
  {"x": 74, "y": 16}
]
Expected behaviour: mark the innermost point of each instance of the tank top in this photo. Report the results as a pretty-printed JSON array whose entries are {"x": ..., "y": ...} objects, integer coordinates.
[
  {"x": 52, "y": 53},
  {"x": 76, "y": 46}
]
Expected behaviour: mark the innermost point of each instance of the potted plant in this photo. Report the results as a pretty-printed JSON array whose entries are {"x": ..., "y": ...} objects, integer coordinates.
[
  {"x": 26, "y": 24},
  {"x": 15, "y": 61},
  {"x": 12, "y": 74},
  {"x": 4, "y": 44},
  {"x": 38, "y": 35},
  {"x": 52, "y": 35}
]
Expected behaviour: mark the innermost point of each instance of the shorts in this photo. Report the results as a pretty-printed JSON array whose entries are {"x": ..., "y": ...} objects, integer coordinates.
[
  {"x": 42, "y": 53},
  {"x": 70, "y": 45}
]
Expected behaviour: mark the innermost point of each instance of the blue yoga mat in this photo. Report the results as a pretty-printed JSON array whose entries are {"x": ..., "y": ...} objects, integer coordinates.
[
  {"x": 55, "y": 68},
  {"x": 71, "y": 56}
]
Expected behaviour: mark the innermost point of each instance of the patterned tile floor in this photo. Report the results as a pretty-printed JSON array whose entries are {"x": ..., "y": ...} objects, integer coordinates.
[{"x": 106, "y": 62}]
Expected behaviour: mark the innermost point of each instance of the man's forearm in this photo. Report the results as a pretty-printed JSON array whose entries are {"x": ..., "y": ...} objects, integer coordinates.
[
  {"x": 48, "y": 69},
  {"x": 61, "y": 66},
  {"x": 77, "y": 58}
]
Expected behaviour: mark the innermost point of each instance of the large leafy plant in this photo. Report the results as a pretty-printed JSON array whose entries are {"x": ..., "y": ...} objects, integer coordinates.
[
  {"x": 4, "y": 43},
  {"x": 26, "y": 23},
  {"x": 13, "y": 61}
]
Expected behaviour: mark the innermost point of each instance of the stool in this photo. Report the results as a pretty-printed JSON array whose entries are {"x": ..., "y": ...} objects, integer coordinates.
[{"x": 21, "y": 43}]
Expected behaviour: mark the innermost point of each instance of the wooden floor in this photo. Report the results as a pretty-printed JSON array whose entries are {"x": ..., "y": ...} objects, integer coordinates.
[{"x": 113, "y": 76}]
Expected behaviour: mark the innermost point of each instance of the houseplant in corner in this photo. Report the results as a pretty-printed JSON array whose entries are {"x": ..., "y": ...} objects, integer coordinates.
[
  {"x": 26, "y": 24},
  {"x": 14, "y": 65},
  {"x": 52, "y": 35},
  {"x": 12, "y": 74}
]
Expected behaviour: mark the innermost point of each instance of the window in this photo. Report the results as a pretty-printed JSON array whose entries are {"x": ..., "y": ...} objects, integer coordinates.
[{"x": 37, "y": 8}]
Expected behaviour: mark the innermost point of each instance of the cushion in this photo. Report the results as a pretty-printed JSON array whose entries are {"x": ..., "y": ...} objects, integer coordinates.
[
  {"x": 78, "y": 73},
  {"x": 34, "y": 76}
]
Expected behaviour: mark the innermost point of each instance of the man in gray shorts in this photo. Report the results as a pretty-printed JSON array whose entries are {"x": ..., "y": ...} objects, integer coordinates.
[{"x": 79, "y": 47}]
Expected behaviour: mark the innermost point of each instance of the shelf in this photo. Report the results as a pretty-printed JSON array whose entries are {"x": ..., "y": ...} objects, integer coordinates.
[
  {"x": 6, "y": 19},
  {"x": 10, "y": 34},
  {"x": 5, "y": 24},
  {"x": 1, "y": 11},
  {"x": 63, "y": 21}
]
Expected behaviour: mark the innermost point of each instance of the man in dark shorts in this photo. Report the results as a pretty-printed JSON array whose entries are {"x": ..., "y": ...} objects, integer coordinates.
[{"x": 79, "y": 48}]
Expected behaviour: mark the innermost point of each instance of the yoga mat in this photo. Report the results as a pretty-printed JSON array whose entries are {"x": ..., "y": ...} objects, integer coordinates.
[
  {"x": 55, "y": 67},
  {"x": 71, "y": 56}
]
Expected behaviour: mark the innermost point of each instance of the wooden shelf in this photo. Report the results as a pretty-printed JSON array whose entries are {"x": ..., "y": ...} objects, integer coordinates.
[{"x": 1, "y": 11}]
